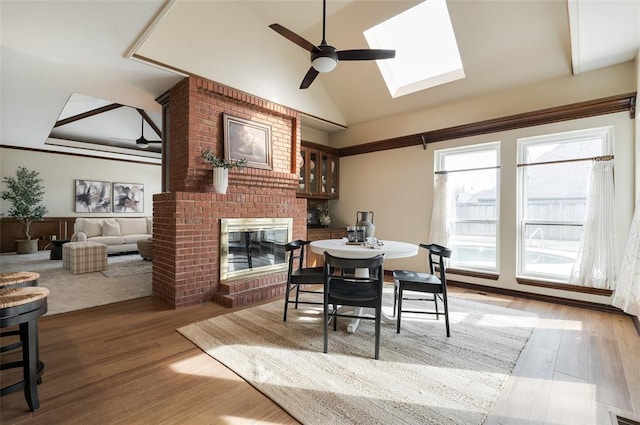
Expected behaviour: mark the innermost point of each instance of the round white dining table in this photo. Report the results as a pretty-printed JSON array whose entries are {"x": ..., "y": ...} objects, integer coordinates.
[{"x": 340, "y": 248}]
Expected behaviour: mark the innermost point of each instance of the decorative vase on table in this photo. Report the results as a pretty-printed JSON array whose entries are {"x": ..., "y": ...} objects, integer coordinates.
[
  {"x": 220, "y": 179},
  {"x": 365, "y": 218}
]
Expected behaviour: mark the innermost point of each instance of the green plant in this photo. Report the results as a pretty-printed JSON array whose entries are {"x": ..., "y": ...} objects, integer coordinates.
[
  {"x": 25, "y": 192},
  {"x": 216, "y": 162},
  {"x": 324, "y": 217}
]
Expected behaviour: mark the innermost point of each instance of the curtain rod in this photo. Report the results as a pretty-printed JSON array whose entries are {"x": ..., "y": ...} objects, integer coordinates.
[
  {"x": 467, "y": 169},
  {"x": 561, "y": 161}
]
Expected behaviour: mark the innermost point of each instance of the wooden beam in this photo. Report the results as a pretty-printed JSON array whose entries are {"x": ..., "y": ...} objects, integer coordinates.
[
  {"x": 590, "y": 108},
  {"x": 88, "y": 114}
]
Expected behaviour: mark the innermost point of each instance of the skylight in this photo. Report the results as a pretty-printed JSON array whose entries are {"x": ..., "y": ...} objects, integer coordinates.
[{"x": 426, "y": 50}]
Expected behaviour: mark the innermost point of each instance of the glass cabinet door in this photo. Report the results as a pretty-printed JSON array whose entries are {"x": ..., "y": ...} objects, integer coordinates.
[
  {"x": 333, "y": 174},
  {"x": 325, "y": 177},
  {"x": 303, "y": 178},
  {"x": 317, "y": 172},
  {"x": 314, "y": 165}
]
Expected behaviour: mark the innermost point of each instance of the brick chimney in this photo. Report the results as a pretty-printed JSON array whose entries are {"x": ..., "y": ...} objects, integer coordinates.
[{"x": 186, "y": 218}]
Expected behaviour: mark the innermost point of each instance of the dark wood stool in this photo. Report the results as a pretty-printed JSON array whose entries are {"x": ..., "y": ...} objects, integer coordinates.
[{"x": 22, "y": 306}]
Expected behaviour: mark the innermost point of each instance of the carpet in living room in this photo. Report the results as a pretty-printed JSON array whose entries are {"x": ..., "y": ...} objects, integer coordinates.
[{"x": 127, "y": 276}]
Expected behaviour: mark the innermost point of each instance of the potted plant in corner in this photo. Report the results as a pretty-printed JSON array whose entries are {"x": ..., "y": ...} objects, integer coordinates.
[
  {"x": 221, "y": 169},
  {"x": 25, "y": 192}
]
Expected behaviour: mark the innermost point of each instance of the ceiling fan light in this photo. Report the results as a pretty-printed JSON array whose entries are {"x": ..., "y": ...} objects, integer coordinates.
[
  {"x": 324, "y": 64},
  {"x": 142, "y": 143}
]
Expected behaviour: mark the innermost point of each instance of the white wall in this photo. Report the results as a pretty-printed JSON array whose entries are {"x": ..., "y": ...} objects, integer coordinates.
[{"x": 60, "y": 171}]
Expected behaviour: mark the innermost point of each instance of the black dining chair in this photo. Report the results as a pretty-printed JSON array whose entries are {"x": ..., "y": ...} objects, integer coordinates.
[
  {"x": 354, "y": 291},
  {"x": 297, "y": 276},
  {"x": 408, "y": 280}
]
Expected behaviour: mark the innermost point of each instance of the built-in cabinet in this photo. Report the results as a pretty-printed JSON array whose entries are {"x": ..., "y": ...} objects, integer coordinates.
[
  {"x": 318, "y": 176},
  {"x": 316, "y": 234}
]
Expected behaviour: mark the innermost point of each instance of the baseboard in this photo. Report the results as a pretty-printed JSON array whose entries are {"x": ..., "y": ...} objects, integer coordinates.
[{"x": 538, "y": 297}]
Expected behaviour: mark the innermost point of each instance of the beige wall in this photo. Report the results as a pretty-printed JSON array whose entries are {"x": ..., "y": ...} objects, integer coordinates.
[
  {"x": 619, "y": 79},
  {"x": 398, "y": 186},
  {"x": 313, "y": 135},
  {"x": 59, "y": 173}
]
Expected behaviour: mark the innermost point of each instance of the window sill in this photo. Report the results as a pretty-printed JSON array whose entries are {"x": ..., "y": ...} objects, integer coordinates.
[
  {"x": 474, "y": 273},
  {"x": 563, "y": 286}
]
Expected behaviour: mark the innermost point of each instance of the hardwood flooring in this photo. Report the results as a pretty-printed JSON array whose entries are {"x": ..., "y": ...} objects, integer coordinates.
[{"x": 125, "y": 363}]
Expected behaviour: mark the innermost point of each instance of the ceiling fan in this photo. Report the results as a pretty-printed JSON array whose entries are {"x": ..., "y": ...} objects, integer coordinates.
[
  {"x": 324, "y": 57},
  {"x": 142, "y": 142}
]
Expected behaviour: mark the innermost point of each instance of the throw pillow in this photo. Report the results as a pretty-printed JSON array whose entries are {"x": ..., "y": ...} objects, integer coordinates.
[
  {"x": 110, "y": 228},
  {"x": 92, "y": 227},
  {"x": 132, "y": 226}
]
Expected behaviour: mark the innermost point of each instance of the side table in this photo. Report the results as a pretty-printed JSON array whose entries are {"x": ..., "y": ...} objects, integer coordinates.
[{"x": 56, "y": 249}]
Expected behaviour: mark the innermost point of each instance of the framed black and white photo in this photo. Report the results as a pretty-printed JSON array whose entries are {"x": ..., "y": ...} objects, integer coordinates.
[
  {"x": 92, "y": 196},
  {"x": 247, "y": 139},
  {"x": 128, "y": 198}
]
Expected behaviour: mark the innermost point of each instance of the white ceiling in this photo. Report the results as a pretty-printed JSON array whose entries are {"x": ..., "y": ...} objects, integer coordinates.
[{"x": 54, "y": 49}]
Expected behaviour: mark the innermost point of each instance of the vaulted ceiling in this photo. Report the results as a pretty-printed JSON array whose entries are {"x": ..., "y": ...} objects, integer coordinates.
[{"x": 98, "y": 53}]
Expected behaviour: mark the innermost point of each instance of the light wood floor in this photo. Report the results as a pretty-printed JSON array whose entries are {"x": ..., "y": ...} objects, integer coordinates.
[{"x": 125, "y": 363}]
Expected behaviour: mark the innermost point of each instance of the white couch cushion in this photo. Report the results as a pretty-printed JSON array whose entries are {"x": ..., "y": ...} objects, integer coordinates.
[
  {"x": 132, "y": 226},
  {"x": 110, "y": 228},
  {"x": 108, "y": 240},
  {"x": 92, "y": 227}
]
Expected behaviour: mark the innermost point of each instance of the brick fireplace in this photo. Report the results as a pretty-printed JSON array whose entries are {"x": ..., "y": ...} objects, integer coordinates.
[{"x": 187, "y": 217}]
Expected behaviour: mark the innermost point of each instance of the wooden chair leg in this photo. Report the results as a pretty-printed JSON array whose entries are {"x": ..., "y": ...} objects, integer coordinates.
[
  {"x": 395, "y": 296},
  {"x": 446, "y": 314},
  {"x": 400, "y": 291},
  {"x": 286, "y": 301},
  {"x": 378, "y": 317},
  {"x": 297, "y": 293},
  {"x": 325, "y": 329}
]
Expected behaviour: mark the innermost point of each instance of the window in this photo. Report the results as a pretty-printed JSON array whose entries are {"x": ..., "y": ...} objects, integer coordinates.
[
  {"x": 426, "y": 49},
  {"x": 473, "y": 204},
  {"x": 553, "y": 174}
]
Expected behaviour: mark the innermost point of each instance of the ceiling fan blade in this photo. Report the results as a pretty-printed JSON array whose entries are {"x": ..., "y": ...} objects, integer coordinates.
[
  {"x": 365, "y": 54},
  {"x": 308, "y": 79},
  {"x": 292, "y": 36}
]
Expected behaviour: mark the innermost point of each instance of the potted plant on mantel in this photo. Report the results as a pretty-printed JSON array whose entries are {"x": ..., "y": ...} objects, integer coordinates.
[
  {"x": 221, "y": 169},
  {"x": 25, "y": 191}
]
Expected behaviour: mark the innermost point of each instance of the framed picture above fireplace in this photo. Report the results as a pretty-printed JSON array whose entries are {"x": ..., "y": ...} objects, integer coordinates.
[{"x": 247, "y": 139}]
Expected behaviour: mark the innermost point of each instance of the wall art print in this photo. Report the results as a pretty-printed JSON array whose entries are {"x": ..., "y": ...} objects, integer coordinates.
[
  {"x": 93, "y": 196},
  {"x": 128, "y": 198},
  {"x": 247, "y": 139}
]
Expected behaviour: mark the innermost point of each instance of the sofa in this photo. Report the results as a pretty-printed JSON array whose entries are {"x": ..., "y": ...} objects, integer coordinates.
[{"x": 119, "y": 234}]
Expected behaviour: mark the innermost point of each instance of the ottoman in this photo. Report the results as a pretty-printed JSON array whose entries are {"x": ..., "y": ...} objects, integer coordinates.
[
  {"x": 84, "y": 257},
  {"x": 144, "y": 248}
]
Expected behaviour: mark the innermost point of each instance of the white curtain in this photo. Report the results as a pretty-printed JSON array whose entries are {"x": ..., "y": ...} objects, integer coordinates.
[
  {"x": 439, "y": 232},
  {"x": 627, "y": 295},
  {"x": 596, "y": 263}
]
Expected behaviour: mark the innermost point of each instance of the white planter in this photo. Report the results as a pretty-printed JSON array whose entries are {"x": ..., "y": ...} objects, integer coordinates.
[{"x": 220, "y": 179}]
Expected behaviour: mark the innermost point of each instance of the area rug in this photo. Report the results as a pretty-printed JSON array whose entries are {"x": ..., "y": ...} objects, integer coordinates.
[
  {"x": 137, "y": 266},
  {"x": 422, "y": 377},
  {"x": 69, "y": 292}
]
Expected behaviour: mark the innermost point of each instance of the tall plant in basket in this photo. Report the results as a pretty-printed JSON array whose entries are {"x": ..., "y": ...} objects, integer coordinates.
[{"x": 25, "y": 192}]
